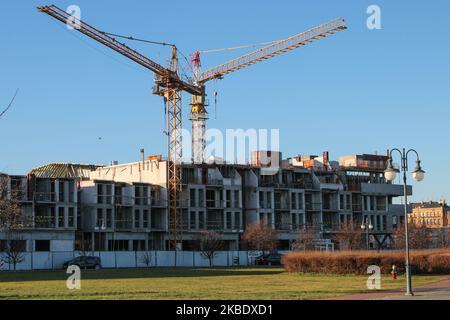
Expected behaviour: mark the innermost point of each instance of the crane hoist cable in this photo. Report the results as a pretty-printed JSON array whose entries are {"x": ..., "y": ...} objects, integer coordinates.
[
  {"x": 157, "y": 43},
  {"x": 137, "y": 39},
  {"x": 10, "y": 104},
  {"x": 239, "y": 47}
]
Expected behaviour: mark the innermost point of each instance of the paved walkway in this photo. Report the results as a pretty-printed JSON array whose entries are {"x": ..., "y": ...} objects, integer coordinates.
[{"x": 433, "y": 291}]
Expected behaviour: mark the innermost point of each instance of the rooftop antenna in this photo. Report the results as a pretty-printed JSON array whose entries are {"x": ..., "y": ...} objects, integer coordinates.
[{"x": 143, "y": 155}]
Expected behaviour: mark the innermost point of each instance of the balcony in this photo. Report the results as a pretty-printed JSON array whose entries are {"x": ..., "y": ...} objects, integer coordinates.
[
  {"x": 44, "y": 197},
  {"x": 330, "y": 206},
  {"x": 283, "y": 226},
  {"x": 44, "y": 221},
  {"x": 214, "y": 226},
  {"x": 313, "y": 206},
  {"x": 214, "y": 204},
  {"x": 124, "y": 224},
  {"x": 120, "y": 200},
  {"x": 105, "y": 199},
  {"x": 232, "y": 205},
  {"x": 333, "y": 227},
  {"x": 142, "y": 201},
  {"x": 158, "y": 203},
  {"x": 384, "y": 189},
  {"x": 214, "y": 182},
  {"x": 265, "y": 205},
  {"x": 19, "y": 194}
]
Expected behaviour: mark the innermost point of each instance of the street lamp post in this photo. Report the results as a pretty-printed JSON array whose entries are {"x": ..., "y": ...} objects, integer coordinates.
[
  {"x": 367, "y": 225},
  {"x": 418, "y": 174}
]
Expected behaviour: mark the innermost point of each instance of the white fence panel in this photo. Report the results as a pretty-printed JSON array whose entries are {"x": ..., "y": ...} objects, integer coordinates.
[
  {"x": 185, "y": 259},
  {"x": 60, "y": 257},
  {"x": 235, "y": 259},
  {"x": 165, "y": 258},
  {"x": 145, "y": 256},
  {"x": 201, "y": 260},
  {"x": 108, "y": 259},
  {"x": 24, "y": 265},
  {"x": 126, "y": 259},
  {"x": 243, "y": 258},
  {"x": 132, "y": 259},
  {"x": 42, "y": 260},
  {"x": 220, "y": 259}
]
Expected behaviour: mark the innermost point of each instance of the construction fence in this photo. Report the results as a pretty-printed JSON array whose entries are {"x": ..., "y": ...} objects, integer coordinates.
[{"x": 133, "y": 259}]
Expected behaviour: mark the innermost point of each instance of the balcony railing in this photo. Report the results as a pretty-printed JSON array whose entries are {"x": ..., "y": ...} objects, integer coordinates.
[
  {"x": 214, "y": 182},
  {"x": 122, "y": 200},
  {"x": 142, "y": 201},
  {"x": 265, "y": 205},
  {"x": 313, "y": 206},
  {"x": 44, "y": 222},
  {"x": 19, "y": 194},
  {"x": 44, "y": 196},
  {"x": 214, "y": 226},
  {"x": 124, "y": 225},
  {"x": 330, "y": 207},
  {"x": 217, "y": 204},
  {"x": 331, "y": 227},
  {"x": 105, "y": 199},
  {"x": 158, "y": 202}
]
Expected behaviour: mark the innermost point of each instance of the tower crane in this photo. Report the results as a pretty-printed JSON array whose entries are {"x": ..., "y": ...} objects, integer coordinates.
[{"x": 169, "y": 85}]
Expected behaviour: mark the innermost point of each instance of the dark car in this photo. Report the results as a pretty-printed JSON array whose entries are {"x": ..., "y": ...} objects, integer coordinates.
[
  {"x": 84, "y": 262},
  {"x": 272, "y": 259}
]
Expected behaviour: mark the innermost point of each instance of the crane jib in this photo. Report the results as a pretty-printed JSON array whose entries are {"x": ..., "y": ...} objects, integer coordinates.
[
  {"x": 168, "y": 76},
  {"x": 274, "y": 49}
]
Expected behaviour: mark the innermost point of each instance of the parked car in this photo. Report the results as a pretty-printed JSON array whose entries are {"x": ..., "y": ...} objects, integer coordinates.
[
  {"x": 84, "y": 262},
  {"x": 270, "y": 259}
]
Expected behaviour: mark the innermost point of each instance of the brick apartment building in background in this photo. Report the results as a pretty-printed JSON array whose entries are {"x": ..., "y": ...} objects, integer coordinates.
[
  {"x": 431, "y": 214},
  {"x": 435, "y": 216}
]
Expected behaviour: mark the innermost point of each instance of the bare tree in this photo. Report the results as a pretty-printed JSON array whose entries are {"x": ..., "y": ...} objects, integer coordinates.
[
  {"x": 146, "y": 259},
  {"x": 441, "y": 237},
  {"x": 306, "y": 239},
  {"x": 210, "y": 244},
  {"x": 10, "y": 211},
  {"x": 419, "y": 236},
  {"x": 14, "y": 249},
  {"x": 11, "y": 220},
  {"x": 349, "y": 237},
  {"x": 261, "y": 236}
]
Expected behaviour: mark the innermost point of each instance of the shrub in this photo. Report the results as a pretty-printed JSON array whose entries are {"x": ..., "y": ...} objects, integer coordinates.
[{"x": 356, "y": 262}]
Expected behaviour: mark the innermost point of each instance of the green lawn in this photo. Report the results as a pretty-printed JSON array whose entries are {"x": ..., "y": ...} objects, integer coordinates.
[{"x": 189, "y": 283}]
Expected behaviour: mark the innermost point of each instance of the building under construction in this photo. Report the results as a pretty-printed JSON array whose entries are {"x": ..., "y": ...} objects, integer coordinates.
[{"x": 123, "y": 207}]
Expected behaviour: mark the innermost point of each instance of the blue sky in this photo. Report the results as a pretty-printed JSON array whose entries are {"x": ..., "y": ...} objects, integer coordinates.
[{"x": 359, "y": 91}]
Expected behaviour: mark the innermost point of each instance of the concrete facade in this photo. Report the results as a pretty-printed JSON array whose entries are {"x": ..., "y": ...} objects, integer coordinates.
[{"x": 123, "y": 207}]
